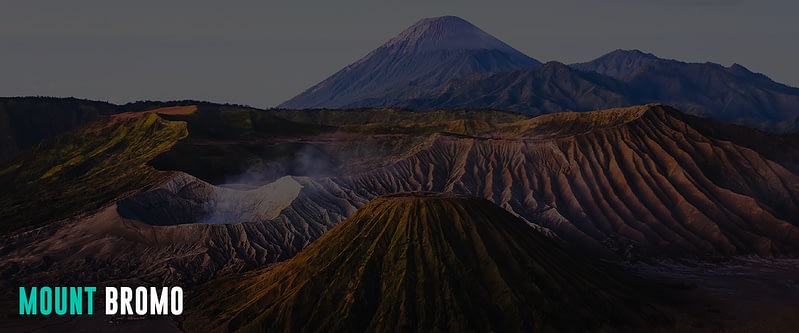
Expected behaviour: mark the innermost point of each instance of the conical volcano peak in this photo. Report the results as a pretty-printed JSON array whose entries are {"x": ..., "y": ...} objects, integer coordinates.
[
  {"x": 446, "y": 33},
  {"x": 400, "y": 258},
  {"x": 443, "y": 210},
  {"x": 425, "y": 55},
  {"x": 446, "y": 22}
]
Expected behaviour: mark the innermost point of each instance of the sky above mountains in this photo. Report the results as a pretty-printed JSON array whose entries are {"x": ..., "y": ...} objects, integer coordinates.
[{"x": 263, "y": 53}]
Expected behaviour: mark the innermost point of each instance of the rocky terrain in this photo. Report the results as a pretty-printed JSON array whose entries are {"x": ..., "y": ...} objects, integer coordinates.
[
  {"x": 182, "y": 195},
  {"x": 445, "y": 181},
  {"x": 422, "y": 262},
  {"x": 643, "y": 182}
]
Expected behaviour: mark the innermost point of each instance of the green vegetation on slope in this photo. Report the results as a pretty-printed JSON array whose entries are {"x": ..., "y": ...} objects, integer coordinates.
[
  {"x": 90, "y": 166},
  {"x": 27, "y": 121},
  {"x": 392, "y": 121},
  {"x": 84, "y": 170}
]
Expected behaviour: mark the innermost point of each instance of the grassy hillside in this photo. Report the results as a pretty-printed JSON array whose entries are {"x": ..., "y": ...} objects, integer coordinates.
[{"x": 85, "y": 169}]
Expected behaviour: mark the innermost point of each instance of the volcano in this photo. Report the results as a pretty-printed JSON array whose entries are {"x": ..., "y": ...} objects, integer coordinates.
[
  {"x": 427, "y": 262},
  {"x": 427, "y": 54}
]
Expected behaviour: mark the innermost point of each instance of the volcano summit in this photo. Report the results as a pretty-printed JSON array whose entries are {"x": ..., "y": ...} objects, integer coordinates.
[
  {"x": 423, "y": 262},
  {"x": 427, "y": 54}
]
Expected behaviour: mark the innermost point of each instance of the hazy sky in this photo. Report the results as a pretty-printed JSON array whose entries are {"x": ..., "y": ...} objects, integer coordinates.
[{"x": 263, "y": 52}]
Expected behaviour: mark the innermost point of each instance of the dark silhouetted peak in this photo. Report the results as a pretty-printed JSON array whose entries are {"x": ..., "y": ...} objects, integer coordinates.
[
  {"x": 737, "y": 68},
  {"x": 740, "y": 70},
  {"x": 630, "y": 54},
  {"x": 629, "y": 57},
  {"x": 619, "y": 64}
]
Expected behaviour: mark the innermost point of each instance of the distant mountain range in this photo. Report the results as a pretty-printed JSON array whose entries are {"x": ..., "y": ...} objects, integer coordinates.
[
  {"x": 732, "y": 94},
  {"x": 448, "y": 63}
]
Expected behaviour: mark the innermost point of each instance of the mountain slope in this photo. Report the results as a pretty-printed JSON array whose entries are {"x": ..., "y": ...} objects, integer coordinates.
[
  {"x": 26, "y": 121},
  {"x": 731, "y": 94},
  {"x": 622, "y": 78},
  {"x": 430, "y": 52},
  {"x": 552, "y": 87},
  {"x": 423, "y": 262},
  {"x": 619, "y": 64},
  {"x": 640, "y": 182},
  {"x": 85, "y": 169},
  {"x": 113, "y": 244},
  {"x": 446, "y": 63}
]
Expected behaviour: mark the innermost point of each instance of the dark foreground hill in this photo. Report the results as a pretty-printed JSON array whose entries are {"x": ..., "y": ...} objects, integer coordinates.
[
  {"x": 26, "y": 121},
  {"x": 427, "y": 262}
]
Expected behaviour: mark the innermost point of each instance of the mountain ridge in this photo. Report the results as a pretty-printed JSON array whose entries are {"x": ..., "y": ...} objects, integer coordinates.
[
  {"x": 448, "y": 63},
  {"x": 646, "y": 182},
  {"x": 623, "y": 78},
  {"x": 551, "y": 87}
]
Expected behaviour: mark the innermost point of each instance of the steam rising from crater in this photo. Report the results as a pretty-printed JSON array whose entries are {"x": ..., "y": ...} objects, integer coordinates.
[
  {"x": 226, "y": 205},
  {"x": 308, "y": 160},
  {"x": 186, "y": 199}
]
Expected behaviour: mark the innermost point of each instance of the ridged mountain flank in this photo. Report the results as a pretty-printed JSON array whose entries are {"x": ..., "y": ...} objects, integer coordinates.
[
  {"x": 622, "y": 78},
  {"x": 430, "y": 52},
  {"x": 731, "y": 94},
  {"x": 421, "y": 262},
  {"x": 645, "y": 182},
  {"x": 549, "y": 88}
]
